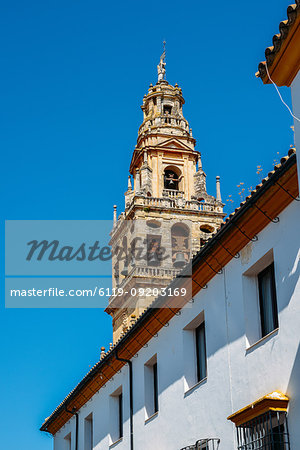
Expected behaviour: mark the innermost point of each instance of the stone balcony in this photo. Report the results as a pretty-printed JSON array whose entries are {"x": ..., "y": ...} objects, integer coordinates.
[
  {"x": 139, "y": 276},
  {"x": 174, "y": 121},
  {"x": 175, "y": 200},
  {"x": 150, "y": 272},
  {"x": 171, "y": 200},
  {"x": 172, "y": 193}
]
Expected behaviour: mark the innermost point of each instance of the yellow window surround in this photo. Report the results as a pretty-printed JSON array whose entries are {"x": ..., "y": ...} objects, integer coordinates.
[{"x": 275, "y": 401}]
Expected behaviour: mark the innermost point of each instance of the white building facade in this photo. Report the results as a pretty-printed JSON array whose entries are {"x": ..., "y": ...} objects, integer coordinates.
[
  {"x": 172, "y": 406},
  {"x": 295, "y": 88}
]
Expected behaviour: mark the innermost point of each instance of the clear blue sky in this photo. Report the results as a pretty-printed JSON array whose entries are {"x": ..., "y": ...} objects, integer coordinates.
[{"x": 73, "y": 77}]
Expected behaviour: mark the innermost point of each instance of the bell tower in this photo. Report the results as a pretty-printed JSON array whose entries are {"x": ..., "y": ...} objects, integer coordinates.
[{"x": 166, "y": 206}]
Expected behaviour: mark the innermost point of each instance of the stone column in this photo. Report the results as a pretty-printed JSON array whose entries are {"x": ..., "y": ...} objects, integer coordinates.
[{"x": 218, "y": 189}]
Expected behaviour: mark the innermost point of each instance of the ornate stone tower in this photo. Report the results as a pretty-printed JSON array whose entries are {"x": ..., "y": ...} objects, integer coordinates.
[{"x": 166, "y": 206}]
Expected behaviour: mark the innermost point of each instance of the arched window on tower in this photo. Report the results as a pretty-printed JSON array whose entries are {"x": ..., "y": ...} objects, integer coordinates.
[
  {"x": 180, "y": 235},
  {"x": 171, "y": 178},
  {"x": 167, "y": 109},
  {"x": 206, "y": 233}
]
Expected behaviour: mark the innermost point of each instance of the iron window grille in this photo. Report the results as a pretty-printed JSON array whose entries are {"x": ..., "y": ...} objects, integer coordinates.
[
  {"x": 268, "y": 431},
  {"x": 204, "y": 444}
]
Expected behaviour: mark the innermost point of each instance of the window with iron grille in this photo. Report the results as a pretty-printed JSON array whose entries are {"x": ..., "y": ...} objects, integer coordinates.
[{"x": 268, "y": 431}]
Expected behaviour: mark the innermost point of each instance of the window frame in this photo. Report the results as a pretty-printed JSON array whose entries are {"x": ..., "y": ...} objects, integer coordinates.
[
  {"x": 88, "y": 432},
  {"x": 116, "y": 416},
  {"x": 120, "y": 415},
  {"x": 151, "y": 388},
  {"x": 262, "y": 306},
  {"x": 155, "y": 388},
  {"x": 200, "y": 329},
  {"x": 68, "y": 441}
]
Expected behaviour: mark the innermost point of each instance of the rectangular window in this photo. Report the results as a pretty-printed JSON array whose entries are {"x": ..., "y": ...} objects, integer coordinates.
[
  {"x": 151, "y": 387},
  {"x": 267, "y": 431},
  {"x": 116, "y": 415},
  {"x": 88, "y": 432},
  {"x": 155, "y": 387},
  {"x": 194, "y": 352},
  {"x": 200, "y": 352},
  {"x": 120, "y": 410},
  {"x": 167, "y": 109},
  {"x": 68, "y": 442},
  {"x": 267, "y": 300}
]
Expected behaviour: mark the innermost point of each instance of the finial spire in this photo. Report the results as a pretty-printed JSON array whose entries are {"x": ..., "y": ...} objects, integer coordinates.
[{"x": 161, "y": 68}]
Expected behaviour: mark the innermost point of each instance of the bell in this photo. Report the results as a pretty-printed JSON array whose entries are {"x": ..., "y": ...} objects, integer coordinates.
[
  {"x": 179, "y": 260},
  {"x": 153, "y": 259},
  {"x": 124, "y": 272}
]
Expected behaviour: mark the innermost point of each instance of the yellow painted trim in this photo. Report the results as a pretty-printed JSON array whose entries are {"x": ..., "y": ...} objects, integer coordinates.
[{"x": 275, "y": 401}]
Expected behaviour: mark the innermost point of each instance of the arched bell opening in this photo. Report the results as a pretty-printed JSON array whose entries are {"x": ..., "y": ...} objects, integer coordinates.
[
  {"x": 172, "y": 178},
  {"x": 180, "y": 235}
]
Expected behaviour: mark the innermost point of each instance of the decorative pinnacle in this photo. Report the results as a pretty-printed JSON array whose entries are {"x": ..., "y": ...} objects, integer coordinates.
[
  {"x": 161, "y": 68},
  {"x": 115, "y": 214},
  {"x": 129, "y": 183},
  {"x": 218, "y": 189},
  {"x": 102, "y": 354}
]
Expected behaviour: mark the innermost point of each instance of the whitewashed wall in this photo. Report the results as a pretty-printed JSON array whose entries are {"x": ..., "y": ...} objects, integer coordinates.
[
  {"x": 296, "y": 110},
  {"x": 236, "y": 377}
]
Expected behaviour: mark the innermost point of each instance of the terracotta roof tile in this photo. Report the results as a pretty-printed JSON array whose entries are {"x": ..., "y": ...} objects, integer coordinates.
[{"x": 293, "y": 12}]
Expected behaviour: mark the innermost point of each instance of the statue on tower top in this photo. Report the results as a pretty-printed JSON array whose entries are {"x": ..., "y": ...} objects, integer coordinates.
[{"x": 161, "y": 68}]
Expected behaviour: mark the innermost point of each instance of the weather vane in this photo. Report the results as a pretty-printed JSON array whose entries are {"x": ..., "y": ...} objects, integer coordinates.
[{"x": 161, "y": 68}]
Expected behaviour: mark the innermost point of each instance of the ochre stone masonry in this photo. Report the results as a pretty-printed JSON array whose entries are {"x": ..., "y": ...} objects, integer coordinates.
[{"x": 166, "y": 205}]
